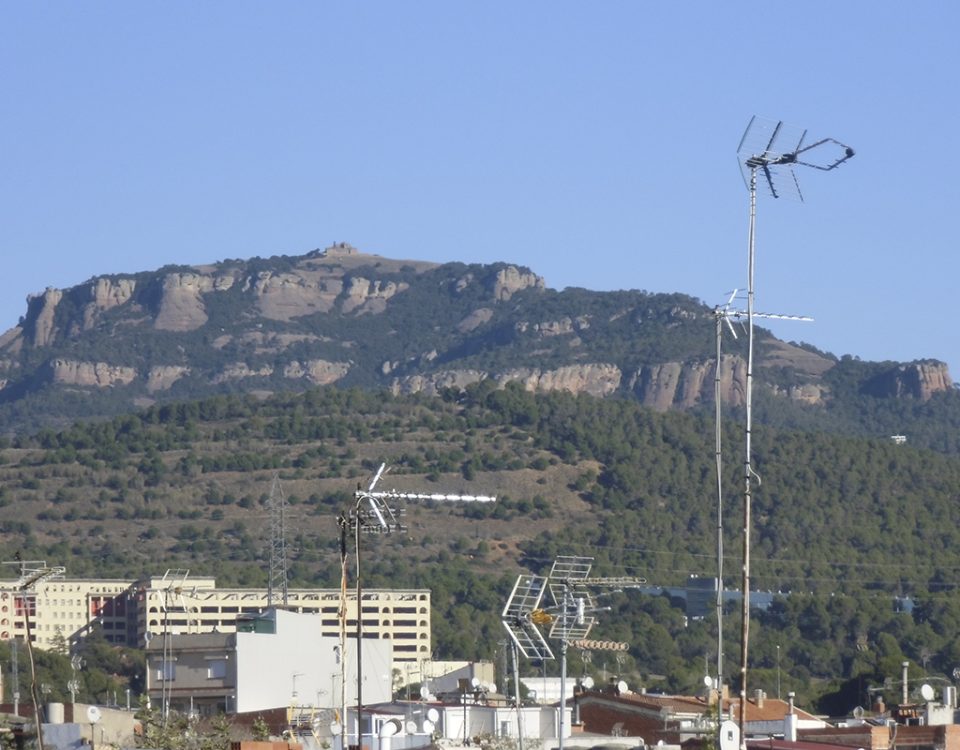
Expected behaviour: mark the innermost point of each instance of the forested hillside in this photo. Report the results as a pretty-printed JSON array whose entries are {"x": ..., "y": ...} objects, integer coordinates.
[{"x": 844, "y": 524}]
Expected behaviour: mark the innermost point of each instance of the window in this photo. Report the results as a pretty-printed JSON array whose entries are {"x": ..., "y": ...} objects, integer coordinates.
[
  {"x": 166, "y": 671},
  {"x": 216, "y": 669}
]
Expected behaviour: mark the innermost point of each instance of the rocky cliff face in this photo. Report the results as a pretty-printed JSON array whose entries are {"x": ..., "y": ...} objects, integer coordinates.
[
  {"x": 346, "y": 317},
  {"x": 919, "y": 380}
]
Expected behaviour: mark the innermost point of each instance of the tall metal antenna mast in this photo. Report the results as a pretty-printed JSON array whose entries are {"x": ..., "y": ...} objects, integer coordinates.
[
  {"x": 725, "y": 314},
  {"x": 31, "y": 574},
  {"x": 277, "y": 584},
  {"x": 372, "y": 515},
  {"x": 773, "y": 149}
]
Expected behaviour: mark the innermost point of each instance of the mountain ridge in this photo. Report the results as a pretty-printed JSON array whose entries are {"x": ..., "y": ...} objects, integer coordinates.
[{"x": 341, "y": 316}]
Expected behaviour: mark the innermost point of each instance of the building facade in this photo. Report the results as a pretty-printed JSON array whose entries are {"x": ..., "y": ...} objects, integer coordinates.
[{"x": 131, "y": 613}]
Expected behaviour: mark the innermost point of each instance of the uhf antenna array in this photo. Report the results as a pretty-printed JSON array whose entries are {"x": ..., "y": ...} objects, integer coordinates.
[
  {"x": 571, "y": 616},
  {"x": 772, "y": 149}
]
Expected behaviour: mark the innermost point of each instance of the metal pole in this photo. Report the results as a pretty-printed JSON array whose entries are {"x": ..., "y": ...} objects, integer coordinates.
[
  {"x": 37, "y": 708},
  {"x": 359, "y": 639},
  {"x": 344, "y": 729},
  {"x": 563, "y": 689},
  {"x": 747, "y": 468},
  {"x": 718, "y": 438},
  {"x": 516, "y": 689},
  {"x": 563, "y": 663}
]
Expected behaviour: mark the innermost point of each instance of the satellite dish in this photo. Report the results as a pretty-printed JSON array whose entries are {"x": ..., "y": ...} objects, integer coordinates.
[
  {"x": 475, "y": 682},
  {"x": 956, "y": 673},
  {"x": 411, "y": 727},
  {"x": 335, "y": 728},
  {"x": 433, "y": 715},
  {"x": 532, "y": 694},
  {"x": 708, "y": 681},
  {"x": 147, "y": 637},
  {"x": 926, "y": 692},
  {"x": 588, "y": 682},
  {"x": 93, "y": 714},
  {"x": 428, "y": 726},
  {"x": 858, "y": 712},
  {"x": 621, "y": 686},
  {"x": 390, "y": 728},
  {"x": 729, "y": 735},
  {"x": 491, "y": 687}
]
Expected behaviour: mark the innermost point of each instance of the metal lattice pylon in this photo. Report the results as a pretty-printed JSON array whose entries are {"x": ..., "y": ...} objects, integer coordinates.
[{"x": 277, "y": 583}]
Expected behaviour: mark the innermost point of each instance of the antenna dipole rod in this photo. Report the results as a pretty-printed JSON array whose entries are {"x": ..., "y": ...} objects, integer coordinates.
[{"x": 440, "y": 497}]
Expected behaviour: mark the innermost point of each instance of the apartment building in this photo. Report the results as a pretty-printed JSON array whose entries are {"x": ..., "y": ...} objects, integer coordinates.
[{"x": 130, "y": 613}]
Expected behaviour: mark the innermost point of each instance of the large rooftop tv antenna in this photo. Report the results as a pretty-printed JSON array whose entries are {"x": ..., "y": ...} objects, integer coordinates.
[
  {"x": 725, "y": 315},
  {"x": 772, "y": 149},
  {"x": 571, "y": 616},
  {"x": 372, "y": 515}
]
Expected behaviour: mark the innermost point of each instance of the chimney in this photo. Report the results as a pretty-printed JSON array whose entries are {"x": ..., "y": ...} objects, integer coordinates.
[
  {"x": 758, "y": 696},
  {"x": 906, "y": 691},
  {"x": 790, "y": 697},
  {"x": 790, "y": 727}
]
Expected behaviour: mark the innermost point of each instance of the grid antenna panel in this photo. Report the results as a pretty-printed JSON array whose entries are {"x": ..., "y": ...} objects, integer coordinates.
[
  {"x": 574, "y": 604},
  {"x": 516, "y": 617}
]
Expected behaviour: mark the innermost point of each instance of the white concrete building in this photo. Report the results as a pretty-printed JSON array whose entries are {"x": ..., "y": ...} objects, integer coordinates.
[{"x": 276, "y": 659}]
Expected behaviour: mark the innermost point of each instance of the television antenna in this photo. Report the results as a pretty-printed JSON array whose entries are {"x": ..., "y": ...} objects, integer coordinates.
[
  {"x": 726, "y": 314},
  {"x": 32, "y": 573},
  {"x": 772, "y": 149},
  {"x": 372, "y": 515},
  {"x": 175, "y": 579},
  {"x": 571, "y": 616}
]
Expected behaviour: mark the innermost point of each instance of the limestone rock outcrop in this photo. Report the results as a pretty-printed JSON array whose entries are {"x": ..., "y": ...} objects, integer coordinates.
[
  {"x": 595, "y": 379},
  {"x": 105, "y": 294},
  {"x": 41, "y": 310},
  {"x": 317, "y": 371},
  {"x": 162, "y": 377},
  {"x": 369, "y": 296},
  {"x": 181, "y": 303},
  {"x": 919, "y": 380},
  {"x": 511, "y": 280},
  {"x": 285, "y": 296},
  {"x": 97, "y": 374},
  {"x": 239, "y": 371}
]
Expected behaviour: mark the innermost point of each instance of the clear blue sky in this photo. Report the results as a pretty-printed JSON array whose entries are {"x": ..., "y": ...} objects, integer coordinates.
[{"x": 593, "y": 142}]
